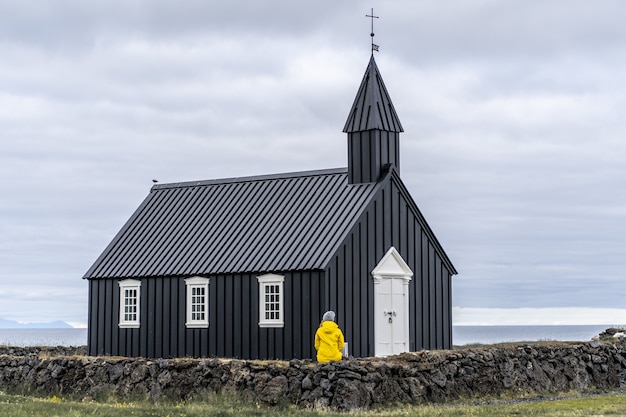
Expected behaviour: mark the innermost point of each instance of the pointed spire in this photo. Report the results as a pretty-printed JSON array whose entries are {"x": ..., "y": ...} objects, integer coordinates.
[{"x": 372, "y": 108}]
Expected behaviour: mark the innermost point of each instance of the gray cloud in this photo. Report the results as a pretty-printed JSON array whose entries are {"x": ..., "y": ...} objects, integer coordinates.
[{"x": 513, "y": 117}]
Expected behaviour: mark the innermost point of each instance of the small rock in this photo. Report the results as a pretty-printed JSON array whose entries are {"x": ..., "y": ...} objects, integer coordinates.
[
  {"x": 307, "y": 384},
  {"x": 275, "y": 390}
]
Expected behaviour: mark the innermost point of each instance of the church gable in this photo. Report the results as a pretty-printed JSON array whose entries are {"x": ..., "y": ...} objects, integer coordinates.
[
  {"x": 391, "y": 220},
  {"x": 398, "y": 188}
]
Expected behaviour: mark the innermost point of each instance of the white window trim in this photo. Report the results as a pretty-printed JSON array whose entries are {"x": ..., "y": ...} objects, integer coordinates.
[
  {"x": 197, "y": 282},
  {"x": 126, "y": 285},
  {"x": 276, "y": 280}
]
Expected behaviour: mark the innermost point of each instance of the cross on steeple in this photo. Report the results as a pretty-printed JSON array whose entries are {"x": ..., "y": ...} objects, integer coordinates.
[{"x": 374, "y": 46}]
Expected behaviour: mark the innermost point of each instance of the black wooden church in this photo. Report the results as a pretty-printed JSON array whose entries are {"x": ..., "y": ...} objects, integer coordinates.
[{"x": 245, "y": 267}]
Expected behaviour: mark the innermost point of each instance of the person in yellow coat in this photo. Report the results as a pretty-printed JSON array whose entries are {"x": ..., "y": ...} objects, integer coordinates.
[{"x": 328, "y": 339}]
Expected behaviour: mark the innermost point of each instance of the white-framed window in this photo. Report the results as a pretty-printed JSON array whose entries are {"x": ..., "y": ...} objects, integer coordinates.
[
  {"x": 197, "y": 302},
  {"x": 130, "y": 303},
  {"x": 271, "y": 310}
]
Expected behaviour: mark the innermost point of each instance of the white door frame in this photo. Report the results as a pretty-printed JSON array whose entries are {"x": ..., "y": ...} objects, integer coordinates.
[{"x": 391, "y": 267}]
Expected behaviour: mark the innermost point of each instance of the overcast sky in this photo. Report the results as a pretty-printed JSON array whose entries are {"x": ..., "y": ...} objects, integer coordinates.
[{"x": 513, "y": 111}]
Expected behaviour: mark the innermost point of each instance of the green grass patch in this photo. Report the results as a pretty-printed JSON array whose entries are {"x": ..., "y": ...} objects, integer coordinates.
[{"x": 20, "y": 406}]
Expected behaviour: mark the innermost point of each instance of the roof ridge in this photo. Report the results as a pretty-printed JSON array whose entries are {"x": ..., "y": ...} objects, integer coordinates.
[{"x": 251, "y": 178}]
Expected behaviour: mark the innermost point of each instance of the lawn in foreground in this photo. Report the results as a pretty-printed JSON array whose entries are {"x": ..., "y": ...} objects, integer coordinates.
[{"x": 19, "y": 406}]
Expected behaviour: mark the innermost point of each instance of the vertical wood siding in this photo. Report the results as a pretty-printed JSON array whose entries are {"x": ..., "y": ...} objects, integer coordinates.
[
  {"x": 233, "y": 319},
  {"x": 390, "y": 221},
  {"x": 346, "y": 286},
  {"x": 369, "y": 152}
]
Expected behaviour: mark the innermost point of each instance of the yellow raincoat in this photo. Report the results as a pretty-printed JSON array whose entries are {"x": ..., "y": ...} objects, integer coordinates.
[{"x": 328, "y": 342}]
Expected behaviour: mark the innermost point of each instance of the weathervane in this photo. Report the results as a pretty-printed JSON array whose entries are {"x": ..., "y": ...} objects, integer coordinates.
[{"x": 374, "y": 46}]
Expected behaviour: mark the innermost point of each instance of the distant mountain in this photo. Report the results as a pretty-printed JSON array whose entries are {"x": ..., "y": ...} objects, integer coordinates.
[{"x": 10, "y": 324}]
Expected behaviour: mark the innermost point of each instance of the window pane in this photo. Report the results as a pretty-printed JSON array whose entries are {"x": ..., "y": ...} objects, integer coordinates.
[
  {"x": 197, "y": 303},
  {"x": 269, "y": 299},
  {"x": 129, "y": 304}
]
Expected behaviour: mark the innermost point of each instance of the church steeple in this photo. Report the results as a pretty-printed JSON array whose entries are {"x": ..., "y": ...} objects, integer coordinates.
[{"x": 373, "y": 130}]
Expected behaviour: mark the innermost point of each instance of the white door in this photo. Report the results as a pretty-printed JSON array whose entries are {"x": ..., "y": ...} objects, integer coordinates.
[
  {"x": 391, "y": 305},
  {"x": 391, "y": 318}
]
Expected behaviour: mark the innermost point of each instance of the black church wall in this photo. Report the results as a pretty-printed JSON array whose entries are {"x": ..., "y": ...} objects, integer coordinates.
[
  {"x": 390, "y": 220},
  {"x": 233, "y": 319},
  {"x": 369, "y": 152}
]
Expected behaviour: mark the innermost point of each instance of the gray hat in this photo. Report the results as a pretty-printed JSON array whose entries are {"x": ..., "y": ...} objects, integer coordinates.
[{"x": 329, "y": 316}]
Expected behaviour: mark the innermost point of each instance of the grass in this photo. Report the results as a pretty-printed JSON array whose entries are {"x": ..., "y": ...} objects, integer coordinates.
[{"x": 21, "y": 406}]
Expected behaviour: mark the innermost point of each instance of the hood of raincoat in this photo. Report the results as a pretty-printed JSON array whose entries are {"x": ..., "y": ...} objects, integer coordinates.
[{"x": 329, "y": 326}]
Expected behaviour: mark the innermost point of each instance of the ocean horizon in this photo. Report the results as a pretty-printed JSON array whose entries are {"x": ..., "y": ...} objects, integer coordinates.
[
  {"x": 490, "y": 334},
  {"x": 461, "y": 335},
  {"x": 44, "y": 337}
]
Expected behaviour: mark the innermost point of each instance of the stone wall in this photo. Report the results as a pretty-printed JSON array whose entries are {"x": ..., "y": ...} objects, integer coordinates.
[{"x": 427, "y": 376}]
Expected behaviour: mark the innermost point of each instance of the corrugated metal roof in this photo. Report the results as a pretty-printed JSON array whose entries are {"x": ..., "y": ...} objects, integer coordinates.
[
  {"x": 372, "y": 108},
  {"x": 264, "y": 223}
]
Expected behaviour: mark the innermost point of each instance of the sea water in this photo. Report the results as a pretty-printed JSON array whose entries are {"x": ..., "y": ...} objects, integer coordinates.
[
  {"x": 43, "y": 337},
  {"x": 461, "y": 335}
]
